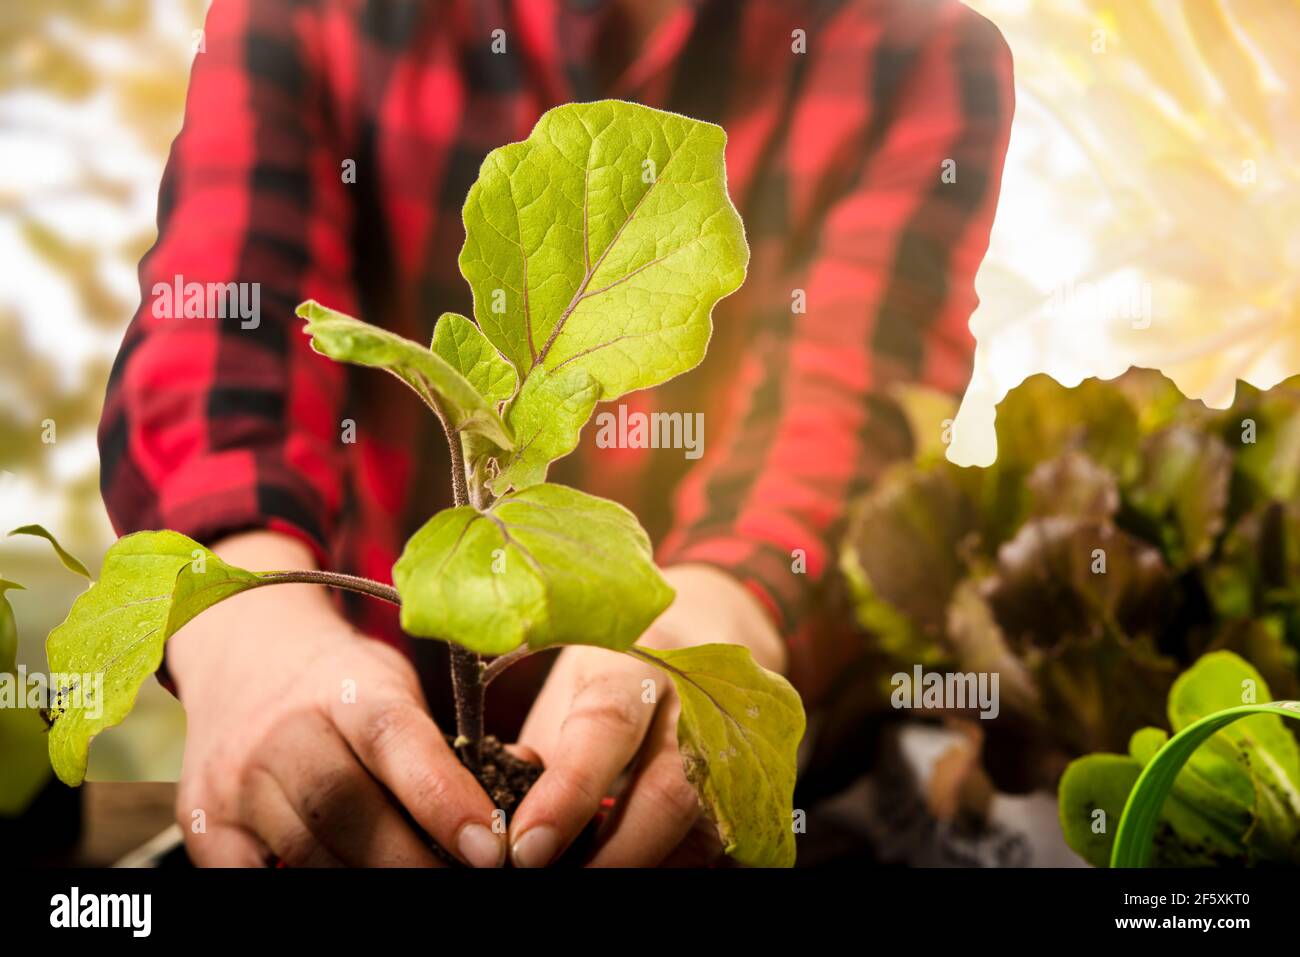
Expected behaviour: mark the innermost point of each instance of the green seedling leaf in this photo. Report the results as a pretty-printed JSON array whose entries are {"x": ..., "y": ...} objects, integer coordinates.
[
  {"x": 739, "y": 732},
  {"x": 151, "y": 584},
  {"x": 467, "y": 350},
  {"x": 1137, "y": 828},
  {"x": 1091, "y": 799},
  {"x": 551, "y": 410},
  {"x": 1203, "y": 823},
  {"x": 544, "y": 566},
  {"x": 441, "y": 386},
  {"x": 1219, "y": 808},
  {"x": 69, "y": 561},
  {"x": 1220, "y": 681},
  {"x": 8, "y": 629},
  {"x": 601, "y": 243}
]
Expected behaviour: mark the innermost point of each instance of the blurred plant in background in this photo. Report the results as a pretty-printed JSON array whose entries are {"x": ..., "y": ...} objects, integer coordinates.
[
  {"x": 1150, "y": 212},
  {"x": 1123, "y": 533},
  {"x": 91, "y": 95}
]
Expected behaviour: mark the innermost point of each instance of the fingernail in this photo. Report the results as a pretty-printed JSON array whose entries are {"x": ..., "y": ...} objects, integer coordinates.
[
  {"x": 537, "y": 847},
  {"x": 480, "y": 847}
]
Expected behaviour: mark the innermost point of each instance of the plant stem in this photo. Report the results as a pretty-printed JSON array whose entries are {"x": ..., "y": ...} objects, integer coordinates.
[
  {"x": 497, "y": 665},
  {"x": 363, "y": 586},
  {"x": 467, "y": 682}
]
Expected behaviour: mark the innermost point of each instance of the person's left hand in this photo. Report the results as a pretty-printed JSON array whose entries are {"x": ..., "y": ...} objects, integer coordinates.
[{"x": 601, "y": 711}]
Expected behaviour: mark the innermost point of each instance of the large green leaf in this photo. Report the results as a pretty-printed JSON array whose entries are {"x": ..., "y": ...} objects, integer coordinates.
[
  {"x": 1202, "y": 824},
  {"x": 544, "y": 566},
  {"x": 434, "y": 379},
  {"x": 150, "y": 585},
  {"x": 739, "y": 733},
  {"x": 601, "y": 243}
]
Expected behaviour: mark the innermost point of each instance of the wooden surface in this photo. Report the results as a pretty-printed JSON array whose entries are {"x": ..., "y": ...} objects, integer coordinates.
[{"x": 120, "y": 817}]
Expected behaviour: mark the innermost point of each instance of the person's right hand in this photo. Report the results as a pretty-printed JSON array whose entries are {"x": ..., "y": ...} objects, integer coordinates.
[{"x": 305, "y": 739}]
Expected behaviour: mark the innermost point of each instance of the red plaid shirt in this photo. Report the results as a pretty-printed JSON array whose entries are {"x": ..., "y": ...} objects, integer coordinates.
[{"x": 836, "y": 160}]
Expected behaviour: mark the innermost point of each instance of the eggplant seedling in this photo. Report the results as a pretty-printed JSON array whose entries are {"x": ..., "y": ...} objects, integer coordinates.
[{"x": 596, "y": 250}]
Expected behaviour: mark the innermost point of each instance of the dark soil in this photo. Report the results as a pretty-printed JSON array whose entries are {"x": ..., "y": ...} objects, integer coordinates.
[{"x": 505, "y": 777}]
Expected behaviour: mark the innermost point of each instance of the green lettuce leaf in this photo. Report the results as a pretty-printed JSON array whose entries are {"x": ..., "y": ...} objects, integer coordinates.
[
  {"x": 1182, "y": 491},
  {"x": 903, "y": 557},
  {"x": 1232, "y": 801}
]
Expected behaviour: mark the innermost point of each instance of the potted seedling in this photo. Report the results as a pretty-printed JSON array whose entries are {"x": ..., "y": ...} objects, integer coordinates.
[{"x": 596, "y": 250}]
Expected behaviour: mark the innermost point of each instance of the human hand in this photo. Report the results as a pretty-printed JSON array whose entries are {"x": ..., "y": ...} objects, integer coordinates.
[
  {"x": 306, "y": 739},
  {"x": 601, "y": 711}
]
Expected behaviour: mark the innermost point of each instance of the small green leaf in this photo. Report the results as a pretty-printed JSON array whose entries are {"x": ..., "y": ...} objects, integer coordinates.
[
  {"x": 69, "y": 561},
  {"x": 739, "y": 734},
  {"x": 1090, "y": 800},
  {"x": 8, "y": 629},
  {"x": 601, "y": 243},
  {"x": 440, "y": 385},
  {"x": 548, "y": 565},
  {"x": 468, "y": 351},
  {"x": 546, "y": 419},
  {"x": 151, "y": 584}
]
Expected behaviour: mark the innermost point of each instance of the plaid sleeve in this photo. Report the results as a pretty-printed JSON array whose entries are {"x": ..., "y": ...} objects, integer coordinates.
[
  {"x": 888, "y": 280},
  {"x": 218, "y": 416}
]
